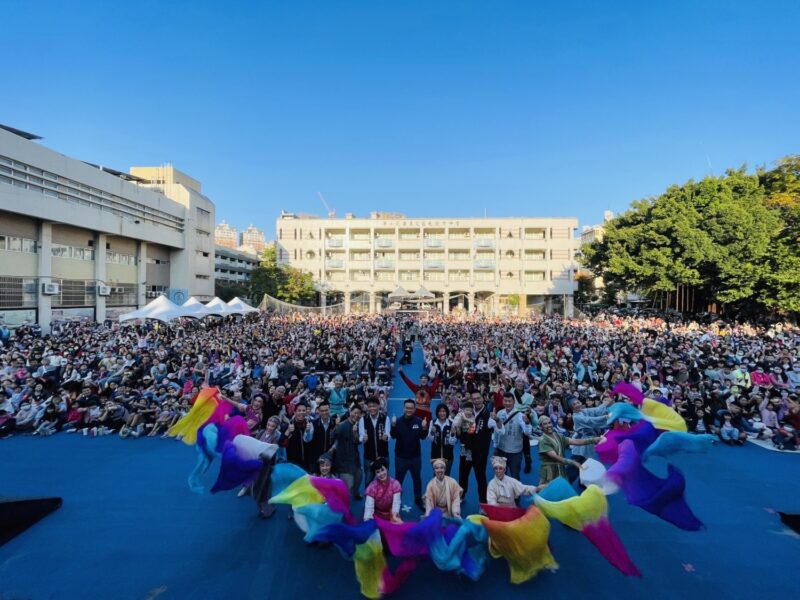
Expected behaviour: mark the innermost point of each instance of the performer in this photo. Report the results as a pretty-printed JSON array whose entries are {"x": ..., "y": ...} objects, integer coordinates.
[
  {"x": 504, "y": 490},
  {"x": 337, "y": 398},
  {"x": 552, "y": 451},
  {"x": 441, "y": 436},
  {"x": 443, "y": 491},
  {"x": 424, "y": 392},
  {"x": 383, "y": 494},
  {"x": 374, "y": 428}
]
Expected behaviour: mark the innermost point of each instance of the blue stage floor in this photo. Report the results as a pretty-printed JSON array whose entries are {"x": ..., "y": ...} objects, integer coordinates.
[{"x": 131, "y": 529}]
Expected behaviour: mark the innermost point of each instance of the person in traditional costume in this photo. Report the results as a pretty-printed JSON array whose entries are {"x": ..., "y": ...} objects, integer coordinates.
[
  {"x": 383, "y": 494},
  {"x": 552, "y": 451},
  {"x": 443, "y": 492},
  {"x": 261, "y": 488},
  {"x": 504, "y": 490}
]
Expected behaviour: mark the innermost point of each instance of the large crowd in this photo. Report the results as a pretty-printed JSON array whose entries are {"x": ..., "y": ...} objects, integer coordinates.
[{"x": 510, "y": 393}]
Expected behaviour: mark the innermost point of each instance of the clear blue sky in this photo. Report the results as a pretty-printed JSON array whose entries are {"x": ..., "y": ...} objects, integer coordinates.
[{"x": 431, "y": 108}]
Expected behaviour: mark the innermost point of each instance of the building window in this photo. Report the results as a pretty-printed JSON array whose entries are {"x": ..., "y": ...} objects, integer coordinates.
[
  {"x": 198, "y": 276},
  {"x": 560, "y": 254}
]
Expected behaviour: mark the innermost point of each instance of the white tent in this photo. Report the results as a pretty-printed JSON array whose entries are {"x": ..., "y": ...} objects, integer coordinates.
[
  {"x": 194, "y": 308},
  {"x": 218, "y": 307},
  {"x": 160, "y": 309},
  {"x": 422, "y": 294},
  {"x": 241, "y": 306},
  {"x": 398, "y": 294}
]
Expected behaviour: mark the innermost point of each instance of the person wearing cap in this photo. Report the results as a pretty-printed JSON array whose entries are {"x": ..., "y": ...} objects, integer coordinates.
[
  {"x": 374, "y": 428},
  {"x": 383, "y": 494},
  {"x": 504, "y": 490},
  {"x": 443, "y": 492}
]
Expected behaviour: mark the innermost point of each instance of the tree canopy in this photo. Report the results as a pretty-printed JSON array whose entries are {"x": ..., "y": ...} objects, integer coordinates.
[
  {"x": 733, "y": 239},
  {"x": 280, "y": 281}
]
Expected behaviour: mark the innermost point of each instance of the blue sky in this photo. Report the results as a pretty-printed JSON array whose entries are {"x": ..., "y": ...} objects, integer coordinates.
[{"x": 427, "y": 108}]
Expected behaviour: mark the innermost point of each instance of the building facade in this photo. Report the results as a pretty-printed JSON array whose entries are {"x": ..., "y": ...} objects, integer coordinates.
[
  {"x": 233, "y": 265},
  {"x": 82, "y": 241},
  {"x": 497, "y": 265},
  {"x": 252, "y": 240},
  {"x": 226, "y": 236}
]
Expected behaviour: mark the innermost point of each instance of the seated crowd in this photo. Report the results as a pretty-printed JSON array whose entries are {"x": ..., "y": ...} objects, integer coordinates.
[{"x": 491, "y": 390}]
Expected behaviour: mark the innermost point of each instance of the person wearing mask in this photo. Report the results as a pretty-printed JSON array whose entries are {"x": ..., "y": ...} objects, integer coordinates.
[
  {"x": 409, "y": 431},
  {"x": 337, "y": 398},
  {"x": 374, "y": 428}
]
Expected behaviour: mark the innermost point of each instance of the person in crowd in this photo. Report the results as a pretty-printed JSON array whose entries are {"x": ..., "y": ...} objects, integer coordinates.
[
  {"x": 552, "y": 450},
  {"x": 347, "y": 462},
  {"x": 441, "y": 436}
]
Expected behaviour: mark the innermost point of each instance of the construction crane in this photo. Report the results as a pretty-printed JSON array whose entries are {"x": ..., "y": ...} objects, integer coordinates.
[{"x": 331, "y": 213}]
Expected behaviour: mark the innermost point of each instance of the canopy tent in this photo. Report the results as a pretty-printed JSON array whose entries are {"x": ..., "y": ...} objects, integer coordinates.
[
  {"x": 241, "y": 306},
  {"x": 423, "y": 294},
  {"x": 160, "y": 309},
  {"x": 218, "y": 307},
  {"x": 194, "y": 308},
  {"x": 398, "y": 294}
]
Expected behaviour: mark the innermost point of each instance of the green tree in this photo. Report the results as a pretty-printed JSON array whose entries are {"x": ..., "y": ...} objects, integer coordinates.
[
  {"x": 228, "y": 290},
  {"x": 280, "y": 281},
  {"x": 780, "y": 288}
]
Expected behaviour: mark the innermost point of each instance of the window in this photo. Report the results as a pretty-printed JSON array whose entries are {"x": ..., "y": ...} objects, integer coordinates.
[
  {"x": 15, "y": 244},
  {"x": 198, "y": 276},
  {"x": 560, "y": 254},
  {"x": 534, "y": 275},
  {"x": 484, "y": 276}
]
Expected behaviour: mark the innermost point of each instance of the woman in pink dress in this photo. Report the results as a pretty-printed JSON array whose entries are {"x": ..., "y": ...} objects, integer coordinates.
[{"x": 383, "y": 494}]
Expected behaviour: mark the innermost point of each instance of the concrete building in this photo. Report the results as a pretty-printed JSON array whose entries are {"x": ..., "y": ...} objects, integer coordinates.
[
  {"x": 226, "y": 236},
  {"x": 252, "y": 240},
  {"x": 493, "y": 265},
  {"x": 233, "y": 266},
  {"x": 82, "y": 241}
]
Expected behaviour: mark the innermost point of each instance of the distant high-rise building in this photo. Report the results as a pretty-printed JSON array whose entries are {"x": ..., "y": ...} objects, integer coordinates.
[
  {"x": 253, "y": 239},
  {"x": 226, "y": 236}
]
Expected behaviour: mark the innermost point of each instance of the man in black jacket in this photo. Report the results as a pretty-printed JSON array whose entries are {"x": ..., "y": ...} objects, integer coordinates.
[
  {"x": 324, "y": 430},
  {"x": 374, "y": 429},
  {"x": 408, "y": 431},
  {"x": 481, "y": 441}
]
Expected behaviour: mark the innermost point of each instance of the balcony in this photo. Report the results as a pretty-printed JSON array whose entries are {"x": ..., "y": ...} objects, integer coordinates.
[
  {"x": 484, "y": 265},
  {"x": 334, "y": 243},
  {"x": 433, "y": 265},
  {"x": 434, "y": 243},
  {"x": 484, "y": 243},
  {"x": 384, "y": 263},
  {"x": 384, "y": 243},
  {"x": 334, "y": 263}
]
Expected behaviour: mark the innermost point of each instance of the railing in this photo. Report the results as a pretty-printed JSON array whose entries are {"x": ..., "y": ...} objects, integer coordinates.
[
  {"x": 334, "y": 243},
  {"x": 384, "y": 243},
  {"x": 334, "y": 263},
  {"x": 433, "y": 243},
  {"x": 433, "y": 264},
  {"x": 484, "y": 243},
  {"x": 384, "y": 264},
  {"x": 484, "y": 264}
]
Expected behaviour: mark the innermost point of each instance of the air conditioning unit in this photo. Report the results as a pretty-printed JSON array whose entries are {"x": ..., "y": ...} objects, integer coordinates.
[
  {"x": 51, "y": 289},
  {"x": 103, "y": 290},
  {"x": 119, "y": 290}
]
